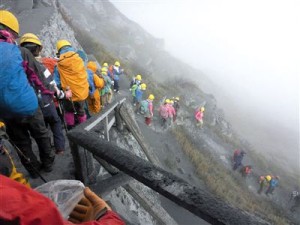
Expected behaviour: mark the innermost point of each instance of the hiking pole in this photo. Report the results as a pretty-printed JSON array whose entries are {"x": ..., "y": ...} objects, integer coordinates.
[
  {"x": 74, "y": 110},
  {"x": 62, "y": 113},
  {"x": 73, "y": 106},
  {"x": 27, "y": 159}
]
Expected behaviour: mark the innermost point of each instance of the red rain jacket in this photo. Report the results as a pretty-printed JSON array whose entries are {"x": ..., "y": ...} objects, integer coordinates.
[{"x": 21, "y": 205}]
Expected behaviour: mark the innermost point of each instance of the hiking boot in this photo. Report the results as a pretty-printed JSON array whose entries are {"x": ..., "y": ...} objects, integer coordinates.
[
  {"x": 33, "y": 175},
  {"x": 47, "y": 168}
]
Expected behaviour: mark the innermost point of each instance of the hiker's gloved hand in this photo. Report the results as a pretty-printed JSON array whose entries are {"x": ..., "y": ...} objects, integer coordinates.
[
  {"x": 59, "y": 93},
  {"x": 88, "y": 208},
  {"x": 68, "y": 93}
]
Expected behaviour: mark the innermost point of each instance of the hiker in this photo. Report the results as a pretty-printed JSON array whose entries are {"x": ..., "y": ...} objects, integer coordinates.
[
  {"x": 296, "y": 204},
  {"x": 7, "y": 165},
  {"x": 293, "y": 195},
  {"x": 50, "y": 64},
  {"x": 26, "y": 206},
  {"x": 139, "y": 95},
  {"x": 94, "y": 102},
  {"x": 199, "y": 117},
  {"x": 147, "y": 109},
  {"x": 237, "y": 161},
  {"x": 70, "y": 74},
  {"x": 34, "y": 45},
  {"x": 164, "y": 113},
  {"x": 246, "y": 171},
  {"x": 115, "y": 72},
  {"x": 273, "y": 184},
  {"x": 172, "y": 112},
  {"x": 263, "y": 181},
  {"x": 176, "y": 107},
  {"x": 19, "y": 105},
  {"x": 106, "y": 92},
  {"x": 90, "y": 80},
  {"x": 133, "y": 89},
  {"x": 136, "y": 80},
  {"x": 136, "y": 87},
  {"x": 235, "y": 154}
]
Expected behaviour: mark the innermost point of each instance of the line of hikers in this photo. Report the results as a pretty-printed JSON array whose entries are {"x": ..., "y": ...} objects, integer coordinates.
[
  {"x": 267, "y": 182},
  {"x": 36, "y": 92},
  {"x": 49, "y": 91},
  {"x": 168, "y": 111}
]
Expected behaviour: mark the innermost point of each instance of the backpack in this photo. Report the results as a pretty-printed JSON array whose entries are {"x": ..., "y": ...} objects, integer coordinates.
[
  {"x": 17, "y": 97},
  {"x": 164, "y": 112},
  {"x": 144, "y": 109},
  {"x": 91, "y": 82},
  {"x": 49, "y": 63},
  {"x": 111, "y": 72},
  {"x": 73, "y": 74},
  {"x": 133, "y": 89}
]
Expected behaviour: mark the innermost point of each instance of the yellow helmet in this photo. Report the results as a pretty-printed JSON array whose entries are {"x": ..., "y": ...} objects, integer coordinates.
[
  {"x": 117, "y": 63},
  {"x": 268, "y": 178},
  {"x": 171, "y": 102},
  {"x": 143, "y": 86},
  {"x": 105, "y": 64},
  {"x": 177, "y": 98},
  {"x": 9, "y": 20},
  {"x": 92, "y": 65},
  {"x": 151, "y": 97},
  {"x": 138, "y": 77},
  {"x": 62, "y": 43},
  {"x": 167, "y": 101},
  {"x": 31, "y": 38},
  {"x": 202, "y": 109}
]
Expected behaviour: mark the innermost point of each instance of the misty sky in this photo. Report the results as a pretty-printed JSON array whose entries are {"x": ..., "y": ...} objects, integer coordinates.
[{"x": 249, "y": 48}]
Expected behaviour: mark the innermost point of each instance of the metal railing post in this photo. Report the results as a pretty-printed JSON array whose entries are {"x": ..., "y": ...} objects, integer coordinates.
[
  {"x": 106, "y": 128},
  {"x": 77, "y": 162}
]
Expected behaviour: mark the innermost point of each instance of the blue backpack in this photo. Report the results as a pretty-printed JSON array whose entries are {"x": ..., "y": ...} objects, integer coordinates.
[
  {"x": 17, "y": 97},
  {"x": 91, "y": 82}
]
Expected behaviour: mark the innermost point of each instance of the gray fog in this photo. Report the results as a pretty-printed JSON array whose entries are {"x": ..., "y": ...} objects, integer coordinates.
[{"x": 249, "y": 50}]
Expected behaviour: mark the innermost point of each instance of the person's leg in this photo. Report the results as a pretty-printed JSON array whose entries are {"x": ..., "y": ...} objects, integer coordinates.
[
  {"x": 116, "y": 85},
  {"x": 69, "y": 114},
  {"x": 201, "y": 124},
  {"x": 261, "y": 187},
  {"x": 137, "y": 107},
  {"x": 39, "y": 132},
  {"x": 109, "y": 96},
  {"x": 268, "y": 190},
  {"x": 17, "y": 129},
  {"x": 81, "y": 116},
  {"x": 56, "y": 128}
]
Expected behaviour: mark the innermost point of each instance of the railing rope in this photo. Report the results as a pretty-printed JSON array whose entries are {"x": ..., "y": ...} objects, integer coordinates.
[{"x": 198, "y": 201}]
